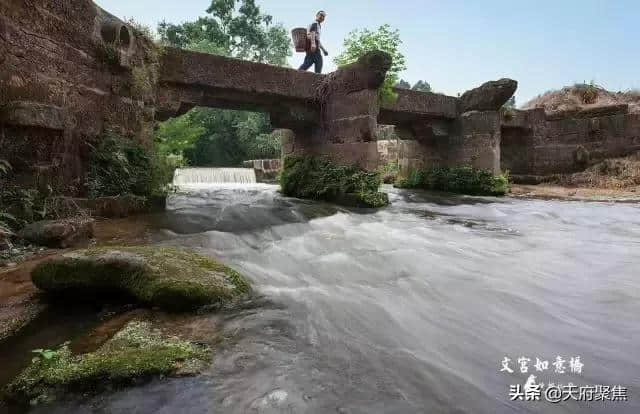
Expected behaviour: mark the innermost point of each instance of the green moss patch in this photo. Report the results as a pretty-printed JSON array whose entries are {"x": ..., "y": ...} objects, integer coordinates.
[
  {"x": 320, "y": 179},
  {"x": 169, "y": 278},
  {"x": 463, "y": 180},
  {"x": 136, "y": 352}
]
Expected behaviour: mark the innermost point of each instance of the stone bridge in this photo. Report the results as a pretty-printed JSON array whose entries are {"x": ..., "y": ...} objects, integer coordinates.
[
  {"x": 71, "y": 72},
  {"x": 336, "y": 115}
]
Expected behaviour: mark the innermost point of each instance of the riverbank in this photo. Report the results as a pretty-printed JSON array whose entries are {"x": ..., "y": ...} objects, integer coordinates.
[{"x": 557, "y": 192}]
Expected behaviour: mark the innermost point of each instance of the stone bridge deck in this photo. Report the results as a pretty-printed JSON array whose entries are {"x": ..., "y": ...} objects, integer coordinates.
[{"x": 189, "y": 79}]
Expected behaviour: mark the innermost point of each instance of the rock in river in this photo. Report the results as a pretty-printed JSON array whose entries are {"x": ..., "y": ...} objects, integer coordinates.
[
  {"x": 59, "y": 233},
  {"x": 168, "y": 278}
]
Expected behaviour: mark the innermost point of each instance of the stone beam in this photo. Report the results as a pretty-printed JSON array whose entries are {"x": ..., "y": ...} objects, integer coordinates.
[
  {"x": 415, "y": 105},
  {"x": 190, "y": 79}
]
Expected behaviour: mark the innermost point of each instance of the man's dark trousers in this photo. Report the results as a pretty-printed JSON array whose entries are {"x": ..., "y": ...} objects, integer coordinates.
[{"x": 311, "y": 59}]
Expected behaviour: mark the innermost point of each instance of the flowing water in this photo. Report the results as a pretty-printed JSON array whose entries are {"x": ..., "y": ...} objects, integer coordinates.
[
  {"x": 407, "y": 309},
  {"x": 205, "y": 177}
]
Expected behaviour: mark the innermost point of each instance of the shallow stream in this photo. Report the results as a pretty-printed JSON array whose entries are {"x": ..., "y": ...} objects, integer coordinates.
[{"x": 407, "y": 309}]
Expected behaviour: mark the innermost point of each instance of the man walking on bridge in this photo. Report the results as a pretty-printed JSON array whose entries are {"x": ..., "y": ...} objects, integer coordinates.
[{"x": 314, "y": 45}]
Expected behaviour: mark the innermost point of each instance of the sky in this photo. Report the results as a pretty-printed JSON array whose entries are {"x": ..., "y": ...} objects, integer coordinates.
[{"x": 456, "y": 45}]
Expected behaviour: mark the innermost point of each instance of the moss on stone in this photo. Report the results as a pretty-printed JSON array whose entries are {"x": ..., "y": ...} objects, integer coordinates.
[
  {"x": 138, "y": 351},
  {"x": 169, "y": 278},
  {"x": 320, "y": 179}
]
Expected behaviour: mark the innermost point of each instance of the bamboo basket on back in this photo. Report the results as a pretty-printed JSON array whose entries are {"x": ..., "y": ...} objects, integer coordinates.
[{"x": 299, "y": 35}]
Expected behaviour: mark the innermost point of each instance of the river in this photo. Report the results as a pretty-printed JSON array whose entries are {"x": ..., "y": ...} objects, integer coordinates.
[{"x": 407, "y": 309}]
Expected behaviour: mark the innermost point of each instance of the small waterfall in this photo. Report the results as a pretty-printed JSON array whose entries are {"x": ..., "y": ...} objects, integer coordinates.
[{"x": 187, "y": 177}]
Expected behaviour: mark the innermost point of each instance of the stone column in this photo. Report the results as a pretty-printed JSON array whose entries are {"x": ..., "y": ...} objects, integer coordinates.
[
  {"x": 476, "y": 141},
  {"x": 476, "y": 135},
  {"x": 349, "y": 112}
]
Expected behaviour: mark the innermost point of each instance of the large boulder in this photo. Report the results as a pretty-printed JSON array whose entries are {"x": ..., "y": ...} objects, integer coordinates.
[
  {"x": 489, "y": 96},
  {"x": 169, "y": 278},
  {"x": 59, "y": 233}
]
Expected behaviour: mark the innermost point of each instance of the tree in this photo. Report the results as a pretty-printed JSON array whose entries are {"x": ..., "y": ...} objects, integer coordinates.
[
  {"x": 243, "y": 32},
  {"x": 422, "y": 86},
  {"x": 359, "y": 42},
  {"x": 403, "y": 84},
  {"x": 177, "y": 135},
  {"x": 216, "y": 137}
]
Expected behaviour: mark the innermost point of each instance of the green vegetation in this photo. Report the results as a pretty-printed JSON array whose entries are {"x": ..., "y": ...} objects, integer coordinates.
[
  {"x": 136, "y": 352},
  {"x": 320, "y": 179},
  {"x": 120, "y": 166},
  {"x": 108, "y": 54},
  {"x": 359, "y": 42},
  {"x": 389, "y": 172},
  {"x": 421, "y": 86},
  {"x": 168, "y": 278},
  {"x": 141, "y": 86},
  {"x": 463, "y": 180},
  {"x": 216, "y": 137},
  {"x": 509, "y": 107}
]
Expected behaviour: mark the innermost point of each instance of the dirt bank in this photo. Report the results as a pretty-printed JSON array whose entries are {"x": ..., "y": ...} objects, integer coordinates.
[{"x": 550, "y": 191}]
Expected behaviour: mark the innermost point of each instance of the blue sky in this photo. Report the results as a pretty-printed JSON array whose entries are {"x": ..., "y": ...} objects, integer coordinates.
[{"x": 456, "y": 45}]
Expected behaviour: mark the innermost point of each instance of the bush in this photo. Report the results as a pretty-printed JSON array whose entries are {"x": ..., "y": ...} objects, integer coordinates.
[
  {"x": 389, "y": 172},
  {"x": 320, "y": 179},
  {"x": 121, "y": 166},
  {"x": 463, "y": 180},
  {"x": 118, "y": 166}
]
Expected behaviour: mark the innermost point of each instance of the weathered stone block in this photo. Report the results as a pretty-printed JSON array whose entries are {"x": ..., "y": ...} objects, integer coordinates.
[
  {"x": 33, "y": 114},
  {"x": 489, "y": 96}
]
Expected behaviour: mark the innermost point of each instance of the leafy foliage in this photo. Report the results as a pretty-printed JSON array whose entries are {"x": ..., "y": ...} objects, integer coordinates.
[
  {"x": 216, "y": 137},
  {"x": 228, "y": 137},
  {"x": 243, "y": 32},
  {"x": 389, "y": 172},
  {"x": 108, "y": 54},
  {"x": 118, "y": 166},
  {"x": 359, "y": 42},
  {"x": 403, "y": 84},
  {"x": 463, "y": 180},
  {"x": 320, "y": 179},
  {"x": 422, "y": 86}
]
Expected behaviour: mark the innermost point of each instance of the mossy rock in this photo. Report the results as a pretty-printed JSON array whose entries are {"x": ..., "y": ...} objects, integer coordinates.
[
  {"x": 136, "y": 352},
  {"x": 171, "y": 279}
]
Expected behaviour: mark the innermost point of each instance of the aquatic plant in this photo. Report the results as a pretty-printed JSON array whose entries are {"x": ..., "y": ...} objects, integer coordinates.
[
  {"x": 321, "y": 179},
  {"x": 463, "y": 180}
]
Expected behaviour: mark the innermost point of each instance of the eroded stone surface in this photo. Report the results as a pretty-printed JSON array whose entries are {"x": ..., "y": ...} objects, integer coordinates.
[{"x": 489, "y": 96}]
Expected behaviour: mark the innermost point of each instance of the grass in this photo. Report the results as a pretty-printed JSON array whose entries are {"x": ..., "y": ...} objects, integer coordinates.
[
  {"x": 462, "y": 180},
  {"x": 614, "y": 173}
]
